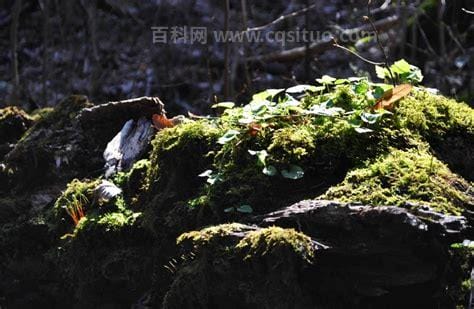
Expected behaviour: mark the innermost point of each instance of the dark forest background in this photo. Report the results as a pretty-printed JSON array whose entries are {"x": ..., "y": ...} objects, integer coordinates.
[{"x": 103, "y": 48}]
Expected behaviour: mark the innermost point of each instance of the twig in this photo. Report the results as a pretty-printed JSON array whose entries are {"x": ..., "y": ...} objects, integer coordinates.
[
  {"x": 323, "y": 44},
  {"x": 382, "y": 49},
  {"x": 283, "y": 17},
  {"x": 468, "y": 12},
  {"x": 357, "y": 55}
]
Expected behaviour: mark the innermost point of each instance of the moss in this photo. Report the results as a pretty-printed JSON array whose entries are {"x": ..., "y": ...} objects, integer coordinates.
[
  {"x": 132, "y": 182},
  {"x": 292, "y": 144},
  {"x": 405, "y": 176},
  {"x": 77, "y": 191},
  {"x": 53, "y": 149},
  {"x": 208, "y": 236},
  {"x": 41, "y": 113},
  {"x": 275, "y": 241},
  {"x": 185, "y": 145},
  {"x": 113, "y": 222},
  {"x": 434, "y": 116},
  {"x": 447, "y": 125},
  {"x": 13, "y": 124},
  {"x": 106, "y": 259}
]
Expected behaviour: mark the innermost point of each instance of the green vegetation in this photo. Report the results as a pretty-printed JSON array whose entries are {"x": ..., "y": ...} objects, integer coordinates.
[
  {"x": 271, "y": 241},
  {"x": 276, "y": 241},
  {"x": 76, "y": 200},
  {"x": 401, "y": 177},
  {"x": 251, "y": 158}
]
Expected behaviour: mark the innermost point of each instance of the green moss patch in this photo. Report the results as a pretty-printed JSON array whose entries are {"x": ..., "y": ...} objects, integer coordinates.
[
  {"x": 411, "y": 176},
  {"x": 276, "y": 241}
]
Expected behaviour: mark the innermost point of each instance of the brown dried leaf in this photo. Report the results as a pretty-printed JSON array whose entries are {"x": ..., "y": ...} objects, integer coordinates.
[{"x": 392, "y": 96}]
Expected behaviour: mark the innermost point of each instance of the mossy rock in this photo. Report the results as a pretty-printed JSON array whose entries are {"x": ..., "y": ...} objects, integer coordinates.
[
  {"x": 105, "y": 261},
  {"x": 447, "y": 125},
  {"x": 13, "y": 124},
  {"x": 133, "y": 182},
  {"x": 406, "y": 177},
  {"x": 325, "y": 147},
  {"x": 52, "y": 150},
  {"x": 246, "y": 267},
  {"x": 179, "y": 155}
]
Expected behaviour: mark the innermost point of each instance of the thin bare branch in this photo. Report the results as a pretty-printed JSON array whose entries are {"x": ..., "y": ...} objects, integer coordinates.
[{"x": 283, "y": 18}]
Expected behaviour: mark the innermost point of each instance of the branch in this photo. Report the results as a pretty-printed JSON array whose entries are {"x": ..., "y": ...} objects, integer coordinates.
[
  {"x": 325, "y": 43},
  {"x": 283, "y": 18},
  {"x": 468, "y": 12}
]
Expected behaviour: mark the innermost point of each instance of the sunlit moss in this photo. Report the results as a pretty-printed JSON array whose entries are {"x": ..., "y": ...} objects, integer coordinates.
[
  {"x": 208, "y": 236},
  {"x": 184, "y": 145},
  {"x": 77, "y": 192},
  {"x": 405, "y": 176},
  {"x": 275, "y": 241},
  {"x": 434, "y": 116}
]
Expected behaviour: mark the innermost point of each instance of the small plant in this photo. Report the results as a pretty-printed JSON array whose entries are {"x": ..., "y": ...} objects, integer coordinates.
[{"x": 74, "y": 208}]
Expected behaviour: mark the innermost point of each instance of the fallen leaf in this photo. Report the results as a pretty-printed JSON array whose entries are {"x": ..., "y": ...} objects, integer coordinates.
[
  {"x": 391, "y": 96},
  {"x": 161, "y": 122}
]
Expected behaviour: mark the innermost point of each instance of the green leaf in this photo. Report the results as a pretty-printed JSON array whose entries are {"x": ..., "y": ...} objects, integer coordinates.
[
  {"x": 294, "y": 172},
  {"x": 246, "y": 209},
  {"x": 341, "y": 81},
  {"x": 370, "y": 118},
  {"x": 303, "y": 88},
  {"x": 270, "y": 170},
  {"x": 361, "y": 87},
  {"x": 363, "y": 130},
  {"x": 261, "y": 156},
  {"x": 265, "y": 95},
  {"x": 401, "y": 66},
  {"x": 246, "y": 119},
  {"x": 206, "y": 173},
  {"x": 326, "y": 80},
  {"x": 355, "y": 122},
  {"x": 380, "y": 71},
  {"x": 230, "y": 209},
  {"x": 228, "y": 136},
  {"x": 223, "y": 105},
  {"x": 378, "y": 92},
  {"x": 211, "y": 177}
]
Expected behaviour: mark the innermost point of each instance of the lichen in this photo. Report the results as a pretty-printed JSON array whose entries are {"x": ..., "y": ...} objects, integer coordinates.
[
  {"x": 275, "y": 241},
  {"x": 410, "y": 176}
]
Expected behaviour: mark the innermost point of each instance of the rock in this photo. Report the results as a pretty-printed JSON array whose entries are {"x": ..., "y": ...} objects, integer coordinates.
[
  {"x": 13, "y": 124},
  {"x": 360, "y": 256}
]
